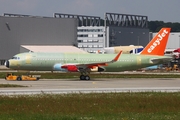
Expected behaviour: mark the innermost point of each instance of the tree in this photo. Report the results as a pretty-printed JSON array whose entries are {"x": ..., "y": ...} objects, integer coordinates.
[{"x": 155, "y": 26}]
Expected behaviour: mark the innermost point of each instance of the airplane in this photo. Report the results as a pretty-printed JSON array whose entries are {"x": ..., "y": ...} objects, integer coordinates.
[
  {"x": 125, "y": 49},
  {"x": 84, "y": 63}
]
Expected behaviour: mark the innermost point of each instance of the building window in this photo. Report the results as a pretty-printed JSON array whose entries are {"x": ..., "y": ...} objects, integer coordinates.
[
  {"x": 82, "y": 35},
  {"x": 100, "y": 41},
  {"x": 90, "y": 35},
  {"x": 100, "y": 46},
  {"x": 95, "y": 35},
  {"x": 100, "y": 30},
  {"x": 89, "y": 40},
  {"x": 95, "y": 46},
  {"x": 80, "y": 46},
  {"x": 100, "y": 35},
  {"x": 84, "y": 45},
  {"x": 90, "y": 46},
  {"x": 80, "y": 41},
  {"x": 95, "y": 40},
  {"x": 84, "y": 40}
]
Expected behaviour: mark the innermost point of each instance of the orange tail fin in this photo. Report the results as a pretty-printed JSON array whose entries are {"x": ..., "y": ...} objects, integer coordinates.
[{"x": 157, "y": 45}]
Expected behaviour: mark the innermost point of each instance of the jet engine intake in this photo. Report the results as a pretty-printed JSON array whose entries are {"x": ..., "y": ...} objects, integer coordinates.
[{"x": 57, "y": 67}]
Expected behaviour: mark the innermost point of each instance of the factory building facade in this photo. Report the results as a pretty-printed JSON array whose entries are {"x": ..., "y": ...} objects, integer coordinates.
[
  {"x": 94, "y": 33},
  {"x": 91, "y": 39}
]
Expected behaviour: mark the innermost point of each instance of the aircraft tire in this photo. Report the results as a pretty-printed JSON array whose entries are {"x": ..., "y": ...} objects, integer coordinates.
[
  {"x": 87, "y": 77},
  {"x": 82, "y": 77},
  {"x": 19, "y": 79}
]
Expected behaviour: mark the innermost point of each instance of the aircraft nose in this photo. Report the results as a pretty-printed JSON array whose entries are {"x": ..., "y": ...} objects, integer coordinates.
[{"x": 7, "y": 63}]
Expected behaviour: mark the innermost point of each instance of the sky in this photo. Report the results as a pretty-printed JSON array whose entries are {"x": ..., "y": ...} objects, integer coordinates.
[{"x": 161, "y": 10}]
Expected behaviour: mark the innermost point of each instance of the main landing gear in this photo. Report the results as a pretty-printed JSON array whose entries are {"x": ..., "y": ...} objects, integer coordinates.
[{"x": 84, "y": 77}]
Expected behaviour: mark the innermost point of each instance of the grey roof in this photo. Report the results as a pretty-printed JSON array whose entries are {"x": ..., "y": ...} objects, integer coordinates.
[{"x": 61, "y": 49}]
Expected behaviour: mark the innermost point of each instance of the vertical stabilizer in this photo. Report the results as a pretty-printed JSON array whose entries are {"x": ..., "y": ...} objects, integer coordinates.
[{"x": 157, "y": 45}]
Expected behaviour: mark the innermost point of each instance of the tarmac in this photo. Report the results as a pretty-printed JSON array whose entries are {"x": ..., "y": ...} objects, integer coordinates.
[{"x": 59, "y": 86}]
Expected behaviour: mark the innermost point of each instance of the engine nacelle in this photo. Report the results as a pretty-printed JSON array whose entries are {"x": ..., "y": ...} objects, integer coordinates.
[
  {"x": 97, "y": 69},
  {"x": 57, "y": 67}
]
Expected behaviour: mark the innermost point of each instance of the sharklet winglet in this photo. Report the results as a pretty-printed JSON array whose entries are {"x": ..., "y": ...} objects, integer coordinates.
[{"x": 117, "y": 56}]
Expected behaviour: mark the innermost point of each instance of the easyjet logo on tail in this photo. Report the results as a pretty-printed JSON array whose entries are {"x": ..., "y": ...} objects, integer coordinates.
[
  {"x": 157, "y": 41},
  {"x": 157, "y": 45}
]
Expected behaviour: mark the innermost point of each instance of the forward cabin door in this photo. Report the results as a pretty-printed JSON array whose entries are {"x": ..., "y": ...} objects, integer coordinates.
[{"x": 28, "y": 59}]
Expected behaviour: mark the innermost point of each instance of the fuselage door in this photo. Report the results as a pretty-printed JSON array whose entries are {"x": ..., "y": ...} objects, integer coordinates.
[
  {"x": 28, "y": 59},
  {"x": 138, "y": 60}
]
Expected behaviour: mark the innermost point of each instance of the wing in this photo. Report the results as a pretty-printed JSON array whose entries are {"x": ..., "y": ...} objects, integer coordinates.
[
  {"x": 82, "y": 67},
  {"x": 102, "y": 63}
]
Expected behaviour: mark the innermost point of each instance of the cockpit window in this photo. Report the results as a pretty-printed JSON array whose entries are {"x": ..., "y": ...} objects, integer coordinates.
[{"x": 16, "y": 58}]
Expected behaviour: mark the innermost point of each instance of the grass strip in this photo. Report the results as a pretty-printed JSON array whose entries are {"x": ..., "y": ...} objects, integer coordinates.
[
  {"x": 93, "y": 106},
  {"x": 10, "y": 85}
]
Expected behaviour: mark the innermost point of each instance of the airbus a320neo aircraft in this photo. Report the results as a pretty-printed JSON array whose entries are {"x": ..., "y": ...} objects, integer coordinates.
[{"x": 152, "y": 54}]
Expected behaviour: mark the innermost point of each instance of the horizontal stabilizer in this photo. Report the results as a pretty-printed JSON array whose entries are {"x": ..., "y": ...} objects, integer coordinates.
[{"x": 157, "y": 60}]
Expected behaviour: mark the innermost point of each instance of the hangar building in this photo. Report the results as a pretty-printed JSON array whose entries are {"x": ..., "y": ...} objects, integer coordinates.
[
  {"x": 89, "y": 33},
  {"x": 17, "y": 30}
]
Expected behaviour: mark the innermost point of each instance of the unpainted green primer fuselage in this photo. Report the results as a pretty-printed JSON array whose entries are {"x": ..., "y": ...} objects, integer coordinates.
[{"x": 51, "y": 61}]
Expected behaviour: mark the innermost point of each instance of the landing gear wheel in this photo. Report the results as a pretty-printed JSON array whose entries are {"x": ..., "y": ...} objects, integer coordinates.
[
  {"x": 19, "y": 79},
  {"x": 37, "y": 78},
  {"x": 87, "y": 77},
  {"x": 84, "y": 77}
]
